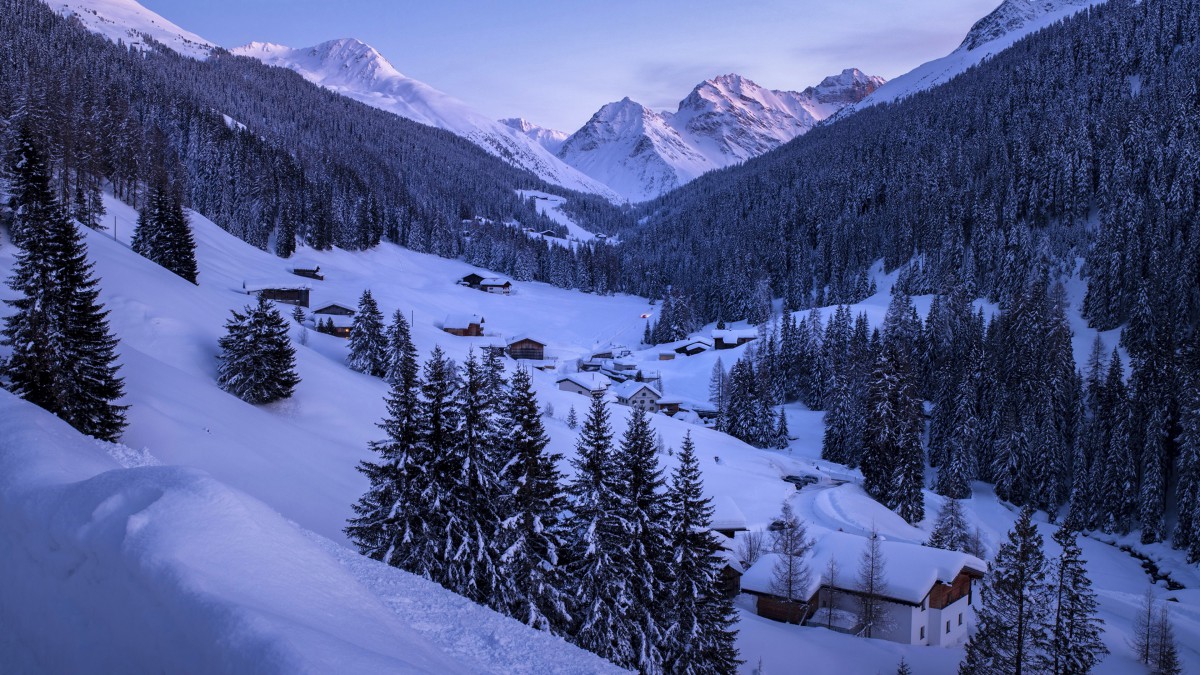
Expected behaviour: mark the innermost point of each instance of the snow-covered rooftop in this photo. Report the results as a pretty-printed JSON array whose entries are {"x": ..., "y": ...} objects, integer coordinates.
[
  {"x": 628, "y": 389},
  {"x": 589, "y": 381},
  {"x": 256, "y": 285},
  {"x": 910, "y": 570},
  {"x": 462, "y": 320}
]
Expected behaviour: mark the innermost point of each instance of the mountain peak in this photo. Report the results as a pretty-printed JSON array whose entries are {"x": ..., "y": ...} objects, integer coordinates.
[
  {"x": 131, "y": 23},
  {"x": 1018, "y": 16}
]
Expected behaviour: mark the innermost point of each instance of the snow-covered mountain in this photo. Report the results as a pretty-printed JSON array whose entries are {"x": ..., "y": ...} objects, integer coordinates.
[
  {"x": 642, "y": 153},
  {"x": 1008, "y": 23},
  {"x": 127, "y": 21},
  {"x": 550, "y": 139},
  {"x": 357, "y": 70}
]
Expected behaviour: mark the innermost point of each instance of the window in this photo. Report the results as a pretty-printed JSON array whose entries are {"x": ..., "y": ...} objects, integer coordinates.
[
  {"x": 922, "y": 632},
  {"x": 947, "y": 625},
  {"x": 960, "y": 618}
]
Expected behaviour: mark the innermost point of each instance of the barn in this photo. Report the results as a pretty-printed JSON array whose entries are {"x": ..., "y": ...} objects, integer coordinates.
[
  {"x": 527, "y": 348},
  {"x": 463, "y": 325}
]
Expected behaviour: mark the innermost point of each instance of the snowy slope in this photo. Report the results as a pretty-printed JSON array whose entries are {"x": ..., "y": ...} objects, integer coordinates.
[
  {"x": 128, "y": 21},
  {"x": 642, "y": 153},
  {"x": 550, "y": 139},
  {"x": 1011, "y": 21},
  {"x": 164, "y": 569},
  {"x": 355, "y": 69}
]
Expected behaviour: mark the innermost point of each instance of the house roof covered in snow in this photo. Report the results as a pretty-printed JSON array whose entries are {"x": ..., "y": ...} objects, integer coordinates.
[
  {"x": 495, "y": 281},
  {"x": 523, "y": 336},
  {"x": 726, "y": 514},
  {"x": 589, "y": 381},
  {"x": 628, "y": 390},
  {"x": 256, "y": 285},
  {"x": 462, "y": 320},
  {"x": 911, "y": 570},
  {"x": 734, "y": 334}
]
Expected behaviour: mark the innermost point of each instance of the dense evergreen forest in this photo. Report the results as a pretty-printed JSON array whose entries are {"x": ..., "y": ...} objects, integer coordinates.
[{"x": 267, "y": 155}]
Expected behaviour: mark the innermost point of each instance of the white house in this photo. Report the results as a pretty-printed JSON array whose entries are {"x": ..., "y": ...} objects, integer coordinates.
[
  {"x": 638, "y": 395},
  {"x": 929, "y": 594},
  {"x": 587, "y": 384}
]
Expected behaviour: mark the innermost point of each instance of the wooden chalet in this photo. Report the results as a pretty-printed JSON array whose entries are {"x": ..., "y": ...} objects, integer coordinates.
[
  {"x": 928, "y": 594},
  {"x": 287, "y": 292},
  {"x": 314, "y": 273},
  {"x": 496, "y": 285},
  {"x": 464, "y": 325},
  {"x": 728, "y": 339},
  {"x": 694, "y": 346},
  {"x": 472, "y": 280},
  {"x": 334, "y": 318},
  {"x": 525, "y": 347},
  {"x": 640, "y": 395},
  {"x": 585, "y": 384}
]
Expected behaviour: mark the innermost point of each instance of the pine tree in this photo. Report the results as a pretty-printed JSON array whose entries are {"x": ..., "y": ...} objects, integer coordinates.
[
  {"x": 163, "y": 234},
  {"x": 532, "y": 585},
  {"x": 781, "y": 431},
  {"x": 1187, "y": 527},
  {"x": 257, "y": 360},
  {"x": 701, "y": 639},
  {"x": 389, "y": 513},
  {"x": 955, "y": 474},
  {"x": 902, "y": 668},
  {"x": 402, "y": 363},
  {"x": 439, "y": 458},
  {"x": 478, "y": 500},
  {"x": 1075, "y": 645},
  {"x": 598, "y": 567},
  {"x": 872, "y": 581},
  {"x": 63, "y": 355},
  {"x": 572, "y": 419},
  {"x": 950, "y": 530},
  {"x": 843, "y": 438},
  {"x": 1012, "y": 634},
  {"x": 639, "y": 486},
  {"x": 791, "y": 577},
  {"x": 368, "y": 345},
  {"x": 1119, "y": 479},
  {"x": 893, "y": 461}
]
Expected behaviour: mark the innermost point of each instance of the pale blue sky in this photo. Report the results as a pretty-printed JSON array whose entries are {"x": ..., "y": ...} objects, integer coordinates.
[{"x": 556, "y": 62}]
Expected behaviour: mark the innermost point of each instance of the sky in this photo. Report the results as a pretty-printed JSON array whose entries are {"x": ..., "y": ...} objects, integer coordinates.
[{"x": 555, "y": 62}]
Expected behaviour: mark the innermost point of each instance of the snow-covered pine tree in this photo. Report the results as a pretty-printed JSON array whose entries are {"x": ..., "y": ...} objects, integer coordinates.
[
  {"x": 700, "y": 616},
  {"x": 950, "y": 531},
  {"x": 958, "y": 468},
  {"x": 478, "y": 500},
  {"x": 598, "y": 568},
  {"x": 842, "y": 440},
  {"x": 1120, "y": 479},
  {"x": 531, "y": 540},
  {"x": 1187, "y": 527},
  {"x": 368, "y": 344},
  {"x": 791, "y": 577},
  {"x": 257, "y": 362},
  {"x": 903, "y": 668},
  {"x": 163, "y": 234},
  {"x": 439, "y": 464},
  {"x": 402, "y": 366},
  {"x": 572, "y": 419},
  {"x": 1075, "y": 644},
  {"x": 893, "y": 461},
  {"x": 388, "y": 514},
  {"x": 781, "y": 431},
  {"x": 63, "y": 355},
  {"x": 1013, "y": 625},
  {"x": 639, "y": 486},
  {"x": 872, "y": 583}
]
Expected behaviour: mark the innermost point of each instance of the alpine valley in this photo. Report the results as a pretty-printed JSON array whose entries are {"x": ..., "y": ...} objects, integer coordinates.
[{"x": 308, "y": 366}]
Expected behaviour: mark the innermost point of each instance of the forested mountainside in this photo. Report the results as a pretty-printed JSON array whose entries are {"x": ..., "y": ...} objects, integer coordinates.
[
  {"x": 1085, "y": 132},
  {"x": 269, "y": 156}
]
